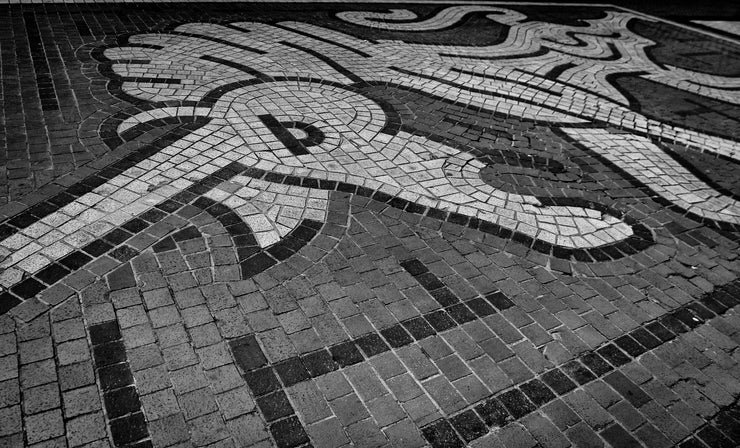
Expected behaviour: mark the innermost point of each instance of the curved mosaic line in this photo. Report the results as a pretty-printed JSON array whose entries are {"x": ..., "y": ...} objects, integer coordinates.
[
  {"x": 403, "y": 19},
  {"x": 269, "y": 216},
  {"x": 540, "y": 47},
  {"x": 564, "y": 102},
  {"x": 248, "y": 107},
  {"x": 705, "y": 188},
  {"x": 256, "y": 250},
  {"x": 269, "y": 115},
  {"x": 666, "y": 177},
  {"x": 503, "y": 199},
  {"x": 448, "y": 177}
]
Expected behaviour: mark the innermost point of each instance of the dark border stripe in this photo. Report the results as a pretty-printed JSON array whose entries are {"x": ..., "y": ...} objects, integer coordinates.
[
  {"x": 580, "y": 42},
  {"x": 44, "y": 82},
  {"x": 614, "y": 56},
  {"x": 285, "y": 137},
  {"x": 268, "y": 381},
  {"x": 558, "y": 70},
  {"x": 321, "y": 39},
  {"x": 641, "y": 239},
  {"x": 393, "y": 122},
  {"x": 602, "y": 362},
  {"x": 721, "y": 430},
  {"x": 271, "y": 399},
  {"x": 151, "y": 80},
  {"x": 726, "y": 227},
  {"x": 325, "y": 59},
  {"x": 254, "y": 260},
  {"x": 251, "y": 258},
  {"x": 539, "y": 52},
  {"x": 123, "y": 410},
  {"x": 81, "y": 25},
  {"x": 88, "y": 184}
]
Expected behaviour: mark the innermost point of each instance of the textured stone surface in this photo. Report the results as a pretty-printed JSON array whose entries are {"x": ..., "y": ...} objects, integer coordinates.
[{"x": 338, "y": 225}]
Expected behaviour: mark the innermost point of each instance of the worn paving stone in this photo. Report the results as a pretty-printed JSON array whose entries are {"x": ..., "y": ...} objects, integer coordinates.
[
  {"x": 43, "y": 426},
  {"x": 444, "y": 225},
  {"x": 86, "y": 429}
]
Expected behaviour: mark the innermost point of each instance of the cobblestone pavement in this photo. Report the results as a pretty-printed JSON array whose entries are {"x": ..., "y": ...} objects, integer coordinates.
[{"x": 346, "y": 225}]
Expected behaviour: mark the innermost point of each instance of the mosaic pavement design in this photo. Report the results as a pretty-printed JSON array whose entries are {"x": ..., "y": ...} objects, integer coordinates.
[{"x": 351, "y": 225}]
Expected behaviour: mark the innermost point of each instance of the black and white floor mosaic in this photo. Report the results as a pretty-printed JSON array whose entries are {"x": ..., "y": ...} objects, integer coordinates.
[{"x": 336, "y": 224}]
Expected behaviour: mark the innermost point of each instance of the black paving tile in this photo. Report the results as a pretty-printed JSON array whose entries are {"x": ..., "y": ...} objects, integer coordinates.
[
  {"x": 128, "y": 429},
  {"x": 493, "y": 412},
  {"x": 469, "y": 425},
  {"x": 538, "y": 392},
  {"x": 645, "y": 338},
  {"x": 440, "y": 320},
  {"x": 291, "y": 371},
  {"x": 115, "y": 376},
  {"x": 288, "y": 433},
  {"x": 109, "y": 353},
  {"x": 414, "y": 267},
  {"x": 461, "y": 313},
  {"x": 396, "y": 336},
  {"x": 578, "y": 372},
  {"x": 596, "y": 363},
  {"x": 441, "y": 435},
  {"x": 346, "y": 354},
  {"x": 630, "y": 346},
  {"x": 480, "y": 307},
  {"x": 660, "y": 331},
  {"x": 104, "y": 332},
  {"x": 27, "y": 288},
  {"x": 247, "y": 353},
  {"x": 8, "y": 301},
  {"x": 499, "y": 300},
  {"x": 135, "y": 225},
  {"x": 121, "y": 402},
  {"x": 419, "y": 328},
  {"x": 714, "y": 437},
  {"x": 728, "y": 421},
  {"x": 117, "y": 236},
  {"x": 372, "y": 345},
  {"x": 558, "y": 381},
  {"x": 75, "y": 260},
  {"x": 262, "y": 381},
  {"x": 516, "y": 403},
  {"x": 692, "y": 442},
  {"x": 52, "y": 274},
  {"x": 612, "y": 354},
  {"x": 274, "y": 406}
]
